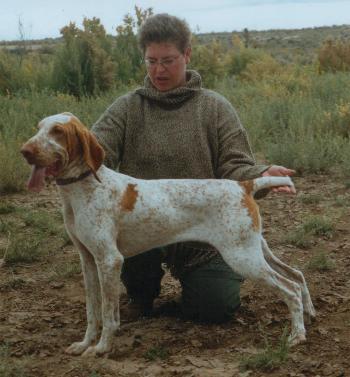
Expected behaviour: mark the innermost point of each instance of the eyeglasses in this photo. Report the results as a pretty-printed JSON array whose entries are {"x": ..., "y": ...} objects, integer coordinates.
[{"x": 165, "y": 63}]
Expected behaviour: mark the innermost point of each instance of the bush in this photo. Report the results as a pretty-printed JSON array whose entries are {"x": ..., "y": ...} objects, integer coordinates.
[
  {"x": 270, "y": 357},
  {"x": 259, "y": 69},
  {"x": 239, "y": 57},
  {"x": 83, "y": 65},
  {"x": 334, "y": 56},
  {"x": 13, "y": 169},
  {"x": 208, "y": 60},
  {"x": 18, "y": 73},
  {"x": 126, "y": 54}
]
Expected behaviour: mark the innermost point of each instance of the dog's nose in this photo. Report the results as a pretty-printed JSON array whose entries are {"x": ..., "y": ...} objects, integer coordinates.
[{"x": 28, "y": 152}]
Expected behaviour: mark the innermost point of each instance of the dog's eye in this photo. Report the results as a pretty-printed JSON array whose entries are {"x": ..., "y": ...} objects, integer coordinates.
[{"x": 57, "y": 131}]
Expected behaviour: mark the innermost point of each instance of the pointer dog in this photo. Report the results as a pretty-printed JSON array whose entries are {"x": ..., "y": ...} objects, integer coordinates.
[{"x": 110, "y": 216}]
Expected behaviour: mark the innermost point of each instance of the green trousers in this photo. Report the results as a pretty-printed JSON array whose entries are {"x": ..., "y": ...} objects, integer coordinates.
[{"x": 210, "y": 292}]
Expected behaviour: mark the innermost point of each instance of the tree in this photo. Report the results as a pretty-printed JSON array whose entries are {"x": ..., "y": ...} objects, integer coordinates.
[
  {"x": 83, "y": 65},
  {"x": 126, "y": 54}
]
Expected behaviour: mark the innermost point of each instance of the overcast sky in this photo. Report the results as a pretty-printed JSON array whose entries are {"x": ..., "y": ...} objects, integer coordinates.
[{"x": 44, "y": 18}]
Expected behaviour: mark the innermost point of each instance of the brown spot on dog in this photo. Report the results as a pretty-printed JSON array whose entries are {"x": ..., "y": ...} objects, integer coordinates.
[
  {"x": 247, "y": 186},
  {"x": 249, "y": 203},
  {"x": 129, "y": 198}
]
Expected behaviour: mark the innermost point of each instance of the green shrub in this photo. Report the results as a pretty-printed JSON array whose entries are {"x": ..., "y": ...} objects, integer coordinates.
[
  {"x": 311, "y": 198},
  {"x": 9, "y": 367},
  {"x": 24, "y": 249},
  {"x": 318, "y": 226},
  {"x": 320, "y": 262},
  {"x": 157, "y": 352},
  {"x": 13, "y": 171},
  {"x": 312, "y": 226},
  {"x": 334, "y": 56},
  {"x": 270, "y": 357},
  {"x": 83, "y": 65}
]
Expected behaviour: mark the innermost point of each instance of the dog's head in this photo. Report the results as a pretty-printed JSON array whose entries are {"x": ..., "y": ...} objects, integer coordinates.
[{"x": 61, "y": 141}]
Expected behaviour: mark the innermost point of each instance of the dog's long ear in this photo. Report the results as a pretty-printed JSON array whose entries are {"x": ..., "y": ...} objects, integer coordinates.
[{"x": 86, "y": 144}]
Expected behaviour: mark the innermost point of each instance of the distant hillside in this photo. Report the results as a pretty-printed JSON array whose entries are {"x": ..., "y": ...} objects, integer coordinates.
[
  {"x": 284, "y": 42},
  {"x": 284, "y": 38},
  {"x": 281, "y": 43}
]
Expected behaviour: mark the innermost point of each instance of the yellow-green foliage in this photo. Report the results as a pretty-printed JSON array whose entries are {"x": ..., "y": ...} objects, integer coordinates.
[
  {"x": 83, "y": 65},
  {"x": 126, "y": 54},
  {"x": 264, "y": 67},
  {"x": 19, "y": 116},
  {"x": 239, "y": 57},
  {"x": 294, "y": 115},
  {"x": 334, "y": 56},
  {"x": 12, "y": 170},
  {"x": 208, "y": 60},
  {"x": 18, "y": 73}
]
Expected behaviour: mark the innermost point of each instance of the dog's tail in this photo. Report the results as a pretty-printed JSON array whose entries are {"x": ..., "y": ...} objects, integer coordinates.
[{"x": 269, "y": 182}]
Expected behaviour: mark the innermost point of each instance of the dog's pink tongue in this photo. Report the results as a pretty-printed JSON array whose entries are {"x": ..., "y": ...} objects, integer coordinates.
[{"x": 37, "y": 179}]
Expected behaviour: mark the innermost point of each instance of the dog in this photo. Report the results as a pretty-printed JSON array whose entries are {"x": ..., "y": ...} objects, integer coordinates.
[{"x": 111, "y": 216}]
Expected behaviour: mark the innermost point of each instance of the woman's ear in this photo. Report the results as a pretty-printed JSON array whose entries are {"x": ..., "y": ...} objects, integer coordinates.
[{"x": 188, "y": 54}]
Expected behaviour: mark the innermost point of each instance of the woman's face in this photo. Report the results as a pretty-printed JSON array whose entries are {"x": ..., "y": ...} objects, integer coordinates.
[{"x": 166, "y": 65}]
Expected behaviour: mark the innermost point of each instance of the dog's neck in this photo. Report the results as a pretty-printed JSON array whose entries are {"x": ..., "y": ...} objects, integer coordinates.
[
  {"x": 68, "y": 181},
  {"x": 75, "y": 171}
]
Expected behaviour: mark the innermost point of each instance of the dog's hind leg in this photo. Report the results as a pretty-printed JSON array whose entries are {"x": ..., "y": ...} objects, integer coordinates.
[
  {"x": 292, "y": 274},
  {"x": 248, "y": 260}
]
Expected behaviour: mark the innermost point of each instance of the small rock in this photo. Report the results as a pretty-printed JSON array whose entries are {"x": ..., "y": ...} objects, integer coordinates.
[
  {"x": 196, "y": 343},
  {"x": 57, "y": 285},
  {"x": 328, "y": 370},
  {"x": 30, "y": 281},
  {"x": 197, "y": 362},
  {"x": 245, "y": 374}
]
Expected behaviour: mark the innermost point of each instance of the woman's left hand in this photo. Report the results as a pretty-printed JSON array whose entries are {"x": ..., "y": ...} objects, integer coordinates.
[{"x": 280, "y": 171}]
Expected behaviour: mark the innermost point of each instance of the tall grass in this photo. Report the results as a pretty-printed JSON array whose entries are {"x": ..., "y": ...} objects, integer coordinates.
[
  {"x": 296, "y": 118},
  {"x": 19, "y": 116}
]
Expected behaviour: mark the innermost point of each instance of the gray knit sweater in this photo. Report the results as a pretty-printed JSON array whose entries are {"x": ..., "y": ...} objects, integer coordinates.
[{"x": 188, "y": 132}]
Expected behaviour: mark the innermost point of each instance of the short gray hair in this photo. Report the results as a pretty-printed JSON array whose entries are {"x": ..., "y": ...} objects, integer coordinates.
[{"x": 164, "y": 28}]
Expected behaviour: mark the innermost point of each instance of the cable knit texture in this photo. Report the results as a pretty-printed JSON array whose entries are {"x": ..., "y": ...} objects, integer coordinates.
[{"x": 187, "y": 132}]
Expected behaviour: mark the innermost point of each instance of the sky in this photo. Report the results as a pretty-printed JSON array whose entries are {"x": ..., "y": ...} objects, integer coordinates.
[{"x": 44, "y": 18}]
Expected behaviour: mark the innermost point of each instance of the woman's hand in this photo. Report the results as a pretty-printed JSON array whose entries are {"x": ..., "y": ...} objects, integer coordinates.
[{"x": 280, "y": 171}]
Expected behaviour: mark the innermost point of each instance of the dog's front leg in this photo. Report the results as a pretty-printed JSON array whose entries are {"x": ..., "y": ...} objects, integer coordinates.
[
  {"x": 109, "y": 265},
  {"x": 93, "y": 300}
]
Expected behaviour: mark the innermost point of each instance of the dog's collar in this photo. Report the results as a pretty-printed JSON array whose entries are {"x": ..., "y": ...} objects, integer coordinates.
[{"x": 68, "y": 181}]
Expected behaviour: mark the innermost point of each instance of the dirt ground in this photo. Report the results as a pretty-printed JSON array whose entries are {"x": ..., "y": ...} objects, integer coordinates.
[{"x": 45, "y": 312}]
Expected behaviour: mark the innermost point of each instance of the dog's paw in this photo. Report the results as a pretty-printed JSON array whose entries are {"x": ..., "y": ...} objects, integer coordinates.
[
  {"x": 309, "y": 313},
  {"x": 310, "y": 318},
  {"x": 98, "y": 350},
  {"x": 295, "y": 339},
  {"x": 77, "y": 348}
]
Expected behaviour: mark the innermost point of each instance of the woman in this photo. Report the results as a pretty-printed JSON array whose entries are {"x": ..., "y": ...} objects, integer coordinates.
[{"x": 173, "y": 128}]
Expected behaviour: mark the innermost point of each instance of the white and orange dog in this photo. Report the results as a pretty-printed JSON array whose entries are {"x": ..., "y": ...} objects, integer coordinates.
[{"x": 111, "y": 216}]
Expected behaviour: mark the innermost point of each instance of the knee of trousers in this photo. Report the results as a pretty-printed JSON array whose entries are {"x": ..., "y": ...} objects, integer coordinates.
[
  {"x": 142, "y": 275},
  {"x": 211, "y": 304}
]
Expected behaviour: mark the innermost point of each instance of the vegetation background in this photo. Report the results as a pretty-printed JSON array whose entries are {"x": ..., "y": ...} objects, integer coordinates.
[{"x": 290, "y": 87}]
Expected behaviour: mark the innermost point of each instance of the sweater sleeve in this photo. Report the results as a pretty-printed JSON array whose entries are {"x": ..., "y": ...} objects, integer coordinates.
[
  {"x": 235, "y": 157},
  {"x": 110, "y": 130}
]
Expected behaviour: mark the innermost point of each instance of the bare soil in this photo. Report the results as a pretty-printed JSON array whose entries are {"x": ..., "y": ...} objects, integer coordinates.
[{"x": 44, "y": 313}]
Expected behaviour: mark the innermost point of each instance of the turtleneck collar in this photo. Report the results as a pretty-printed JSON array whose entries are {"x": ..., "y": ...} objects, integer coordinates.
[{"x": 174, "y": 96}]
